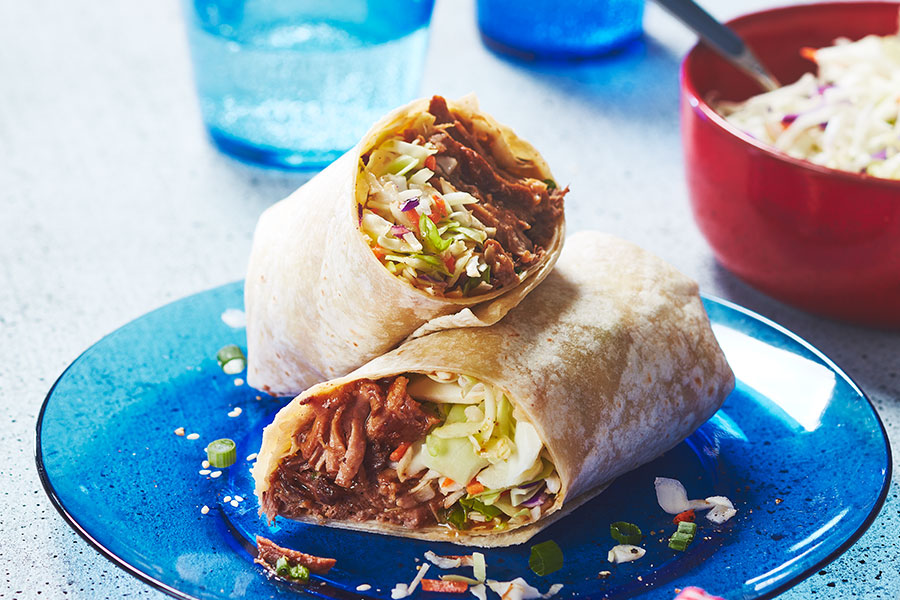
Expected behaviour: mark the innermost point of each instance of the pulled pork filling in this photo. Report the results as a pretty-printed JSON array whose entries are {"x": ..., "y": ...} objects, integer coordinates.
[
  {"x": 441, "y": 213},
  {"x": 342, "y": 468},
  {"x": 370, "y": 451}
]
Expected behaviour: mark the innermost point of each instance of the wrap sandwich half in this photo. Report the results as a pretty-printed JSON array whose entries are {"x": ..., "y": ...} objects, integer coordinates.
[
  {"x": 484, "y": 436},
  {"x": 440, "y": 217}
]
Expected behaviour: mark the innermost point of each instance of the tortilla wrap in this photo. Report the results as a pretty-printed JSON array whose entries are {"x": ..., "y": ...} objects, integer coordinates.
[
  {"x": 318, "y": 301},
  {"x": 612, "y": 360}
]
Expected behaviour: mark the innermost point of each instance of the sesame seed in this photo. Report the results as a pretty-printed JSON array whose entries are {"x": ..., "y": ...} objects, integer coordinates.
[
  {"x": 193, "y": 436},
  {"x": 226, "y": 499},
  {"x": 235, "y": 412},
  {"x": 363, "y": 587},
  {"x": 204, "y": 510},
  {"x": 238, "y": 381},
  {"x": 252, "y": 456},
  {"x": 215, "y": 474},
  {"x": 234, "y": 503},
  {"x": 205, "y": 464},
  {"x": 179, "y": 431},
  {"x": 239, "y": 498},
  {"x": 204, "y": 471}
]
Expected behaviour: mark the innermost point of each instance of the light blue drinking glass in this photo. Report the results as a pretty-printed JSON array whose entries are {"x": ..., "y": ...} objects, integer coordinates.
[
  {"x": 295, "y": 83},
  {"x": 549, "y": 29}
]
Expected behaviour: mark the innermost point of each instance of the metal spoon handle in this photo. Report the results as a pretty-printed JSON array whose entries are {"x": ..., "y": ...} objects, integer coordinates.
[{"x": 720, "y": 38}]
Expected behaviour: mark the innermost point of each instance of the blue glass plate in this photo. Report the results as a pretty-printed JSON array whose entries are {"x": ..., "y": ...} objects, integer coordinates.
[{"x": 797, "y": 447}]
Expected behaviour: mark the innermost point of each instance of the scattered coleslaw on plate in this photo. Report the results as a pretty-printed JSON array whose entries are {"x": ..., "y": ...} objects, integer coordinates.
[{"x": 845, "y": 118}]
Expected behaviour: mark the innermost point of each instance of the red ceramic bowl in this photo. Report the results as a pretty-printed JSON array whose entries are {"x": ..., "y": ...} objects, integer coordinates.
[{"x": 824, "y": 240}]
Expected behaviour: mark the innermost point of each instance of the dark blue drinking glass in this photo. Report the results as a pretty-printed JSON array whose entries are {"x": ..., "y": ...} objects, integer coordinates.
[{"x": 548, "y": 29}]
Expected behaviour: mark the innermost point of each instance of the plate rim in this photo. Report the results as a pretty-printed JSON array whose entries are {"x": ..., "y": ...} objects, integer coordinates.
[
  {"x": 57, "y": 503},
  {"x": 889, "y": 463}
]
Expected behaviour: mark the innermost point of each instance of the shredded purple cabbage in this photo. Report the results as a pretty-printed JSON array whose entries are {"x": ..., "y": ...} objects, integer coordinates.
[
  {"x": 359, "y": 210},
  {"x": 399, "y": 230},
  {"x": 882, "y": 155},
  {"x": 410, "y": 204},
  {"x": 788, "y": 119},
  {"x": 536, "y": 500}
]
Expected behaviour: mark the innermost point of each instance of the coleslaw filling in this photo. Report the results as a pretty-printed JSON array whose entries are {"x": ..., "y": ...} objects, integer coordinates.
[
  {"x": 845, "y": 118},
  {"x": 485, "y": 458},
  {"x": 424, "y": 235},
  {"x": 446, "y": 206}
]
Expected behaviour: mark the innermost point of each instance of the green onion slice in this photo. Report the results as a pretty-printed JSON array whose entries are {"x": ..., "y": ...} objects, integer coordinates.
[
  {"x": 282, "y": 566},
  {"x": 626, "y": 533},
  {"x": 221, "y": 453},
  {"x": 682, "y": 538},
  {"x": 545, "y": 558},
  {"x": 687, "y": 527},
  {"x": 231, "y": 359},
  {"x": 551, "y": 185},
  {"x": 229, "y": 353},
  {"x": 299, "y": 572}
]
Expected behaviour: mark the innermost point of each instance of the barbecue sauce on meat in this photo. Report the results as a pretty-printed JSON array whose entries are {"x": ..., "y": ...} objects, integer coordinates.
[
  {"x": 524, "y": 211},
  {"x": 341, "y": 470}
]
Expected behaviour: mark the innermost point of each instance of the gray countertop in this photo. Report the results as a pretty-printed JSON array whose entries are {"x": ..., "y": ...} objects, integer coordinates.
[{"x": 114, "y": 202}]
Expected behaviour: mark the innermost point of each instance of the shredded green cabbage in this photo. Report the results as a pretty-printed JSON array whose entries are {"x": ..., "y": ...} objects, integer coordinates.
[{"x": 481, "y": 440}]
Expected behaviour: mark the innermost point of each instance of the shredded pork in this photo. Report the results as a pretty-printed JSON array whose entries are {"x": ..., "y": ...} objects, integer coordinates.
[{"x": 342, "y": 470}]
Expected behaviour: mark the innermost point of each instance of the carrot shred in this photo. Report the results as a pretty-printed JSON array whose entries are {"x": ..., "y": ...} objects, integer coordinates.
[
  {"x": 474, "y": 488},
  {"x": 447, "y": 482},
  {"x": 445, "y": 587},
  {"x": 400, "y": 451},
  {"x": 687, "y": 515},
  {"x": 450, "y": 262},
  {"x": 430, "y": 162},
  {"x": 808, "y": 53},
  {"x": 379, "y": 252},
  {"x": 438, "y": 210}
]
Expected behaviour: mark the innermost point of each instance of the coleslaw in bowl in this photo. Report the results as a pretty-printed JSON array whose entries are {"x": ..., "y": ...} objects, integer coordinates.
[{"x": 845, "y": 117}]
